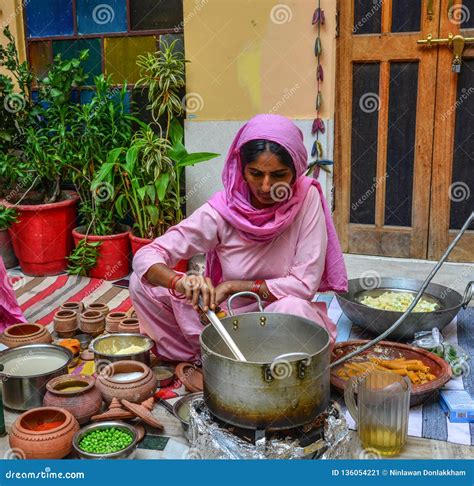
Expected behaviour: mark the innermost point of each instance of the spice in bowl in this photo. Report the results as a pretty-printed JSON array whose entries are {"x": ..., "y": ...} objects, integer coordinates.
[{"x": 105, "y": 441}]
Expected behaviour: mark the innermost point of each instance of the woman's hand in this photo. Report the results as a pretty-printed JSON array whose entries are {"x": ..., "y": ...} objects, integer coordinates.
[
  {"x": 194, "y": 286},
  {"x": 223, "y": 290}
]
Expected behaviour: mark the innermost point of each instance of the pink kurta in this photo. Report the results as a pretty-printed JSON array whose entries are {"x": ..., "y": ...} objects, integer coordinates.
[
  {"x": 10, "y": 312},
  {"x": 291, "y": 264}
]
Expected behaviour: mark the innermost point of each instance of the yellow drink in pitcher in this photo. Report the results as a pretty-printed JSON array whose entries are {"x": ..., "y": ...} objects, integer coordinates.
[{"x": 387, "y": 441}]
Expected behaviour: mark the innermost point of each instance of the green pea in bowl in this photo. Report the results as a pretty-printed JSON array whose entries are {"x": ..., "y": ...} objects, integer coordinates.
[{"x": 106, "y": 440}]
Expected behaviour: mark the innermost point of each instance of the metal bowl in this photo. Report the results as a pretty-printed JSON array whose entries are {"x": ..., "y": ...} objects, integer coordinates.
[
  {"x": 102, "y": 346},
  {"x": 376, "y": 321},
  {"x": 126, "y": 453},
  {"x": 27, "y": 391}
]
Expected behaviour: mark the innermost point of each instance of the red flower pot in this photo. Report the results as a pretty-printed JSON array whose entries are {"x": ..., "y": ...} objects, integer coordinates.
[
  {"x": 136, "y": 242},
  {"x": 113, "y": 262},
  {"x": 42, "y": 237}
]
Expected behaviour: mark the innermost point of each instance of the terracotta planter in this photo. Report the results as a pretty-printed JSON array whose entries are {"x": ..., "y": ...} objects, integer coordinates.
[
  {"x": 75, "y": 393},
  {"x": 42, "y": 237},
  {"x": 136, "y": 243},
  {"x": 23, "y": 334},
  {"x": 102, "y": 308},
  {"x": 78, "y": 307},
  {"x": 6, "y": 250},
  {"x": 55, "y": 443},
  {"x": 65, "y": 323},
  {"x": 113, "y": 262},
  {"x": 134, "y": 390},
  {"x": 92, "y": 322},
  {"x": 112, "y": 321},
  {"x": 129, "y": 324}
]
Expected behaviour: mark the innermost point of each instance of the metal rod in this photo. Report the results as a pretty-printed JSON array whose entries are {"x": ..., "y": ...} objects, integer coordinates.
[{"x": 415, "y": 300}]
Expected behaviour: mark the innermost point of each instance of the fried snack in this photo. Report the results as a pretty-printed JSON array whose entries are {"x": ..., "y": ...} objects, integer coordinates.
[{"x": 415, "y": 369}]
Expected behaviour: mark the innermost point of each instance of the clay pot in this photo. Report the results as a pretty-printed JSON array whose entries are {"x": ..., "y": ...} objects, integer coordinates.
[
  {"x": 83, "y": 401},
  {"x": 55, "y": 443},
  {"x": 78, "y": 307},
  {"x": 92, "y": 322},
  {"x": 65, "y": 323},
  {"x": 112, "y": 321},
  {"x": 23, "y": 334},
  {"x": 134, "y": 390},
  {"x": 102, "y": 308},
  {"x": 130, "y": 324}
]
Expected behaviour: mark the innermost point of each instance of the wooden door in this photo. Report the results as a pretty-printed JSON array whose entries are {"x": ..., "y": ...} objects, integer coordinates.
[
  {"x": 452, "y": 187},
  {"x": 388, "y": 89}
]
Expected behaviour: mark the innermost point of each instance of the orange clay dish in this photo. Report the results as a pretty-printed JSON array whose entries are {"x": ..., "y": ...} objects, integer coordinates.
[
  {"x": 72, "y": 344},
  {"x": 414, "y": 369}
]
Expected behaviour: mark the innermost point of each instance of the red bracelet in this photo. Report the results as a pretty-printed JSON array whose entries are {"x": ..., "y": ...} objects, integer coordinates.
[
  {"x": 256, "y": 286},
  {"x": 172, "y": 286}
]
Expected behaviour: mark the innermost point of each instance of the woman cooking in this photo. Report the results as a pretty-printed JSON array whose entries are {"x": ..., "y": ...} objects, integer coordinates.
[{"x": 269, "y": 231}]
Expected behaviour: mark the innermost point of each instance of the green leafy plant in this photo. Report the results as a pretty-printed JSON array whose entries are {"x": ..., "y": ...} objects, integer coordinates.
[
  {"x": 84, "y": 257},
  {"x": 8, "y": 216}
]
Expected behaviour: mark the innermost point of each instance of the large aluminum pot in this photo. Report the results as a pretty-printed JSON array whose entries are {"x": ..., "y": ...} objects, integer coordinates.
[
  {"x": 377, "y": 321},
  {"x": 25, "y": 390},
  {"x": 285, "y": 381}
]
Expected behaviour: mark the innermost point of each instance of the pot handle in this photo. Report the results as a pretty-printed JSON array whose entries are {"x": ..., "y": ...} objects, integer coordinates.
[
  {"x": 240, "y": 294},
  {"x": 468, "y": 293},
  {"x": 349, "y": 398},
  {"x": 280, "y": 367}
]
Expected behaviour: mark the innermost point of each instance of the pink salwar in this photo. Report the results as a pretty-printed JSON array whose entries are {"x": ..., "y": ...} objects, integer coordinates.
[{"x": 292, "y": 265}]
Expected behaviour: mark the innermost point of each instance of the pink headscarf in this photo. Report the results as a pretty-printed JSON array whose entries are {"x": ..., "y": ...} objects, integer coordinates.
[{"x": 233, "y": 203}]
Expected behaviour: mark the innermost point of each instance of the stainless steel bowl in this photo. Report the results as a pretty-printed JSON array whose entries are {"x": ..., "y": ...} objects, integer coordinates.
[
  {"x": 102, "y": 346},
  {"x": 126, "y": 453},
  {"x": 376, "y": 321},
  {"x": 26, "y": 392}
]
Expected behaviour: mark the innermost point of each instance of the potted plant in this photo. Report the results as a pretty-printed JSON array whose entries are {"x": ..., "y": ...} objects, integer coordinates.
[
  {"x": 152, "y": 167},
  {"x": 8, "y": 216},
  {"x": 42, "y": 235},
  {"x": 102, "y": 243}
]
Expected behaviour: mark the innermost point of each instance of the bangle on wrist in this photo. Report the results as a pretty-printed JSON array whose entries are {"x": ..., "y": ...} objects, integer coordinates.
[{"x": 172, "y": 286}]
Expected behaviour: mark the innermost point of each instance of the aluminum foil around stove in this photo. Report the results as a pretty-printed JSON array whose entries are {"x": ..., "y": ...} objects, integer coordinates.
[{"x": 210, "y": 440}]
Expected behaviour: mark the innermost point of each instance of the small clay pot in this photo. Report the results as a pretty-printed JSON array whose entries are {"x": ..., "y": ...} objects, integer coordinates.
[
  {"x": 102, "y": 308},
  {"x": 65, "y": 323},
  {"x": 130, "y": 324},
  {"x": 92, "y": 322},
  {"x": 112, "y": 321},
  {"x": 54, "y": 443},
  {"x": 75, "y": 393},
  {"x": 78, "y": 307},
  {"x": 134, "y": 390},
  {"x": 23, "y": 334}
]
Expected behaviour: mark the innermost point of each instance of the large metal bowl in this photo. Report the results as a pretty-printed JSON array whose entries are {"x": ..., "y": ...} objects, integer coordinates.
[
  {"x": 27, "y": 391},
  {"x": 126, "y": 453},
  {"x": 102, "y": 346},
  {"x": 376, "y": 321}
]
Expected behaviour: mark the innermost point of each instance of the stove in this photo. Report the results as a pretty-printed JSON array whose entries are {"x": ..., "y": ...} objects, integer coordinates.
[{"x": 210, "y": 438}]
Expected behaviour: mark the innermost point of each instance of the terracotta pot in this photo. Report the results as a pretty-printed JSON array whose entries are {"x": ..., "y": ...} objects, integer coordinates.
[
  {"x": 92, "y": 322},
  {"x": 6, "y": 250},
  {"x": 102, "y": 308},
  {"x": 65, "y": 323},
  {"x": 134, "y": 390},
  {"x": 113, "y": 262},
  {"x": 23, "y": 334},
  {"x": 42, "y": 236},
  {"x": 75, "y": 393},
  {"x": 130, "y": 324},
  {"x": 55, "y": 443},
  {"x": 75, "y": 306},
  {"x": 112, "y": 321}
]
